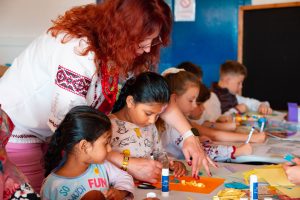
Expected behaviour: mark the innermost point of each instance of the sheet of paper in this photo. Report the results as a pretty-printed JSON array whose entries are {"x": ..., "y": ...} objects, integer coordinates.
[
  {"x": 210, "y": 184},
  {"x": 292, "y": 192},
  {"x": 275, "y": 176}
]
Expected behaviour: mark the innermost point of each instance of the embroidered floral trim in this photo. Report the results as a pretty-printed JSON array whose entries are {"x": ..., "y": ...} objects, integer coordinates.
[{"x": 72, "y": 82}]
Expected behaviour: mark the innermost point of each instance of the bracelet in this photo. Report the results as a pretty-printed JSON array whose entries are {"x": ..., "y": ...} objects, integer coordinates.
[
  {"x": 187, "y": 134},
  {"x": 125, "y": 162}
]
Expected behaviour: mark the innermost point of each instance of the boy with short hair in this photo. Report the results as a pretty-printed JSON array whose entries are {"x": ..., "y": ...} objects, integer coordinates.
[{"x": 229, "y": 88}]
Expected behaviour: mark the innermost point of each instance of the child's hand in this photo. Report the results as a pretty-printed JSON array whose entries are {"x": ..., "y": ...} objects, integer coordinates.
[
  {"x": 293, "y": 172},
  {"x": 245, "y": 149},
  {"x": 230, "y": 126},
  {"x": 204, "y": 139},
  {"x": 225, "y": 119},
  {"x": 242, "y": 108},
  {"x": 258, "y": 137},
  {"x": 178, "y": 168},
  {"x": 114, "y": 194},
  {"x": 295, "y": 160},
  {"x": 264, "y": 109}
]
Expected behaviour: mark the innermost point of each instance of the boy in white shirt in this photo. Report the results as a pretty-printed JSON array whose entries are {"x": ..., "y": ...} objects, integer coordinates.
[{"x": 228, "y": 91}]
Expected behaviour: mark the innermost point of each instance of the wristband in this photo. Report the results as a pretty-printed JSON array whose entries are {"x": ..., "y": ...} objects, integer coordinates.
[{"x": 187, "y": 134}]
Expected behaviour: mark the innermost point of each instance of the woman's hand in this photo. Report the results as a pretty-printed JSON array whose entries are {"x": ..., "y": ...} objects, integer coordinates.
[
  {"x": 178, "y": 168},
  {"x": 195, "y": 155},
  {"x": 192, "y": 148},
  {"x": 145, "y": 169}
]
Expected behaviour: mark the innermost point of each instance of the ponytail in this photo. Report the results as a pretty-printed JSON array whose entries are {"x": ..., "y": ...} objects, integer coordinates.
[
  {"x": 54, "y": 152},
  {"x": 125, "y": 91}
]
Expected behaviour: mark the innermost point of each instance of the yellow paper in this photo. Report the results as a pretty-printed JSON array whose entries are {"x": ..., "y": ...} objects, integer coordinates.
[
  {"x": 274, "y": 176},
  {"x": 229, "y": 194},
  {"x": 247, "y": 174},
  {"x": 292, "y": 192}
]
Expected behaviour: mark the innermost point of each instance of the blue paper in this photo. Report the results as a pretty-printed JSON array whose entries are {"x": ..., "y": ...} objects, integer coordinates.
[{"x": 236, "y": 185}]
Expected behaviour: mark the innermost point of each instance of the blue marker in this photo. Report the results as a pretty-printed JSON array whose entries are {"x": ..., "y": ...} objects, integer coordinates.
[
  {"x": 262, "y": 121},
  {"x": 290, "y": 157}
]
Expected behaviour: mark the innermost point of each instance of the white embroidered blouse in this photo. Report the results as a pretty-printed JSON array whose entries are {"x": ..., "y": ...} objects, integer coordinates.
[{"x": 45, "y": 81}]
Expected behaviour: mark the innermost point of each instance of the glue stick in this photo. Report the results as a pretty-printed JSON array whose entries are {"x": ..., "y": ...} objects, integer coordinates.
[
  {"x": 165, "y": 176},
  {"x": 253, "y": 187}
]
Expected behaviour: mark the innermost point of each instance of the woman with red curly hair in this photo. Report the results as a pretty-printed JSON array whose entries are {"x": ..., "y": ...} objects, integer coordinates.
[{"x": 80, "y": 61}]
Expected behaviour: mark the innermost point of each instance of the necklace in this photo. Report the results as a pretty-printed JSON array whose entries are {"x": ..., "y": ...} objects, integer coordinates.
[{"x": 109, "y": 84}]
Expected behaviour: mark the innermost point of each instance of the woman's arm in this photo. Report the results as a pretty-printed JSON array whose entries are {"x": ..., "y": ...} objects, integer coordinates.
[
  {"x": 192, "y": 148},
  {"x": 140, "y": 168}
]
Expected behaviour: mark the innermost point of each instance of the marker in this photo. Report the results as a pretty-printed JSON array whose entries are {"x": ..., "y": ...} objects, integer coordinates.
[
  {"x": 250, "y": 135},
  {"x": 263, "y": 122},
  {"x": 262, "y": 127}
]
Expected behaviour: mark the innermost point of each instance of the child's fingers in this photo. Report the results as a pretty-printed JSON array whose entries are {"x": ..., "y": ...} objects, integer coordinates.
[
  {"x": 108, "y": 194},
  {"x": 179, "y": 172},
  {"x": 172, "y": 163},
  {"x": 182, "y": 172},
  {"x": 296, "y": 160},
  {"x": 285, "y": 166}
]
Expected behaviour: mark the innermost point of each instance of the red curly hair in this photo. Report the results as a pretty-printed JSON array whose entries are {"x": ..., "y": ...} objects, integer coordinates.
[{"x": 114, "y": 29}]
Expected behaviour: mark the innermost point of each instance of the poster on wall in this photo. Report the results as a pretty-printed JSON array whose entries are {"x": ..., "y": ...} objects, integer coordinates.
[{"x": 185, "y": 10}]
